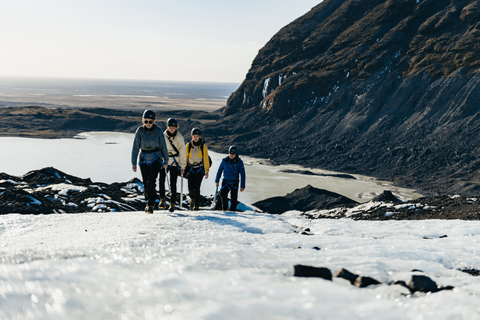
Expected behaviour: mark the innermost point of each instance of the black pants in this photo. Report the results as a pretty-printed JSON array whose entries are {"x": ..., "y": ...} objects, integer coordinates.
[
  {"x": 194, "y": 182},
  {"x": 174, "y": 172},
  {"x": 232, "y": 187},
  {"x": 149, "y": 176}
]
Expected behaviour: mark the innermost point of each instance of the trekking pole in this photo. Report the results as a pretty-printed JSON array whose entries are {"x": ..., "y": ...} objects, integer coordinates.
[
  {"x": 181, "y": 190},
  {"x": 169, "y": 189},
  {"x": 214, "y": 198}
]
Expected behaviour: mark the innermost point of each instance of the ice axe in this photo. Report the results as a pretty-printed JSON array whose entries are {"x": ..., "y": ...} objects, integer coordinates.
[
  {"x": 181, "y": 190},
  {"x": 214, "y": 198}
]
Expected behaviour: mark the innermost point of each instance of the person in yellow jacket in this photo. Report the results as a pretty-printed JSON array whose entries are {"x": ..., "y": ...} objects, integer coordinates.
[{"x": 198, "y": 166}]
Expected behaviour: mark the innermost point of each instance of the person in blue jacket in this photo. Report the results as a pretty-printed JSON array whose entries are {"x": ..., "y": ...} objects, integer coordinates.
[{"x": 233, "y": 169}]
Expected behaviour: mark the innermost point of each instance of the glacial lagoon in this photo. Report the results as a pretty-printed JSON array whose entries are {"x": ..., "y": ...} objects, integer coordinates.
[{"x": 105, "y": 157}]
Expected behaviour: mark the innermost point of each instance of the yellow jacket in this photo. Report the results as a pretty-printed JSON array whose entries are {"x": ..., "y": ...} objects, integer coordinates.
[{"x": 206, "y": 162}]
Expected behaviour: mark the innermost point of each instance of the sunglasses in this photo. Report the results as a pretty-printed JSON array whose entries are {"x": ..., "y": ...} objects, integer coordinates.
[{"x": 148, "y": 121}]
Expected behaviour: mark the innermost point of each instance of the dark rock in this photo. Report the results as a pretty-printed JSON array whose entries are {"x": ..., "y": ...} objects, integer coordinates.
[
  {"x": 345, "y": 274},
  {"x": 446, "y": 288},
  {"x": 51, "y": 175},
  {"x": 49, "y": 190},
  {"x": 386, "y": 196},
  {"x": 363, "y": 282},
  {"x": 473, "y": 272},
  {"x": 400, "y": 283},
  {"x": 305, "y": 199},
  {"x": 308, "y": 271},
  {"x": 310, "y": 173},
  {"x": 422, "y": 283}
]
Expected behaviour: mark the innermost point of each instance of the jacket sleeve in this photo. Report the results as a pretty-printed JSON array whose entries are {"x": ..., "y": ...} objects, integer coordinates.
[
  {"x": 242, "y": 175},
  {"x": 219, "y": 172},
  {"x": 135, "y": 147},
  {"x": 187, "y": 154},
  {"x": 163, "y": 147},
  {"x": 183, "y": 151},
  {"x": 206, "y": 163}
]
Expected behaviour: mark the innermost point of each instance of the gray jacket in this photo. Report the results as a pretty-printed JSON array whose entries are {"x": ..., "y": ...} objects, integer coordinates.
[{"x": 151, "y": 145}]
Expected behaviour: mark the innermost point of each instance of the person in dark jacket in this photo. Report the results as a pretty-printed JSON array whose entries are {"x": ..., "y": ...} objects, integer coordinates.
[
  {"x": 233, "y": 169},
  {"x": 150, "y": 142}
]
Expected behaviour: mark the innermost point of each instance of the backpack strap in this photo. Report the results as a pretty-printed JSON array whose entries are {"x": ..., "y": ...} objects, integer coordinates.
[{"x": 174, "y": 148}]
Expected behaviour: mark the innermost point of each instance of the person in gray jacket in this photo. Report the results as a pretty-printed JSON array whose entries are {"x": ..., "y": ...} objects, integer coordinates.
[{"x": 150, "y": 142}]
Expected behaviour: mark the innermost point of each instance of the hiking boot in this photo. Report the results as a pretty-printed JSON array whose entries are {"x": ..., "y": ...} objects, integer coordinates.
[
  {"x": 196, "y": 208},
  {"x": 192, "y": 204},
  {"x": 163, "y": 204},
  {"x": 149, "y": 209},
  {"x": 172, "y": 207}
]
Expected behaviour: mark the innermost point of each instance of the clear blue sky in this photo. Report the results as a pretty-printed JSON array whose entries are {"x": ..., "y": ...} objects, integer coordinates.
[{"x": 188, "y": 40}]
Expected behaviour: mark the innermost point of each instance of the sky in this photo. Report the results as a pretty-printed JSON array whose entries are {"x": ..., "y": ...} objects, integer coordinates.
[{"x": 214, "y": 40}]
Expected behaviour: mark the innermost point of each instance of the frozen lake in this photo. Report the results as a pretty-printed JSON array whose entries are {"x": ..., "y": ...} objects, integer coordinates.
[{"x": 105, "y": 157}]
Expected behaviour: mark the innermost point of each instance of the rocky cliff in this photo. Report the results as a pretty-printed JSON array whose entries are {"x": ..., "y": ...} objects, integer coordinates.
[{"x": 383, "y": 88}]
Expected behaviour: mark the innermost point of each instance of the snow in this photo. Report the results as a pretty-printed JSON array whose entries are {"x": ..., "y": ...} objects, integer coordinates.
[
  {"x": 265, "y": 88},
  {"x": 63, "y": 188},
  {"x": 213, "y": 265}
]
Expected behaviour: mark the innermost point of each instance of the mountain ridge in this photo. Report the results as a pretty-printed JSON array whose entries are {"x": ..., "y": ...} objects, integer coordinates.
[{"x": 382, "y": 88}]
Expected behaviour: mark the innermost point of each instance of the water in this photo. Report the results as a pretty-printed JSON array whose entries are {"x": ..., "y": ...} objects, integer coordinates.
[
  {"x": 119, "y": 88},
  {"x": 105, "y": 157}
]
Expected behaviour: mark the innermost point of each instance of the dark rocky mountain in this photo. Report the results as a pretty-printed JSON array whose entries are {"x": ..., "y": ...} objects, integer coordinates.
[
  {"x": 383, "y": 88},
  {"x": 304, "y": 199}
]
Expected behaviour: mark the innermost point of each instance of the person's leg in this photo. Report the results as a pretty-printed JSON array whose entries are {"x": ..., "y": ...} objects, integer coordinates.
[
  {"x": 234, "y": 195},
  {"x": 173, "y": 183},
  {"x": 224, "y": 193},
  {"x": 152, "y": 182},
  {"x": 173, "y": 187},
  {"x": 191, "y": 189},
  {"x": 145, "y": 170},
  {"x": 161, "y": 181},
  {"x": 198, "y": 183}
]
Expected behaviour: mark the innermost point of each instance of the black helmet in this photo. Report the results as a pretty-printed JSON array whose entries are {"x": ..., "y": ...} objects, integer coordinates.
[
  {"x": 232, "y": 150},
  {"x": 196, "y": 131},
  {"x": 172, "y": 122},
  {"x": 149, "y": 114}
]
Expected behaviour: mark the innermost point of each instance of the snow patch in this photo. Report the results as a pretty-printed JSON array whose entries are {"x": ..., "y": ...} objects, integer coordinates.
[{"x": 62, "y": 188}]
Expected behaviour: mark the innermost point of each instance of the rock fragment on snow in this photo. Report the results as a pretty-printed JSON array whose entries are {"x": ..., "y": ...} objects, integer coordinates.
[
  {"x": 363, "y": 282},
  {"x": 308, "y": 271},
  {"x": 422, "y": 283},
  {"x": 345, "y": 274}
]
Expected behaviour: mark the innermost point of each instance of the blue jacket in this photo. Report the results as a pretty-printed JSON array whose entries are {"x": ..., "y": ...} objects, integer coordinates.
[{"x": 231, "y": 170}]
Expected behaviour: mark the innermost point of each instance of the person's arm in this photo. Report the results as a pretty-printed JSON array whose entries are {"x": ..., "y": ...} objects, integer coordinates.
[
  {"x": 164, "y": 149},
  {"x": 206, "y": 163},
  {"x": 183, "y": 152},
  {"x": 219, "y": 173},
  {"x": 243, "y": 176},
  {"x": 187, "y": 154},
  {"x": 135, "y": 150}
]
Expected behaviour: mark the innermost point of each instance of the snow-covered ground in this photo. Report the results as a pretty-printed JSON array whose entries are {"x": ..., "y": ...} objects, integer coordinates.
[{"x": 213, "y": 265}]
